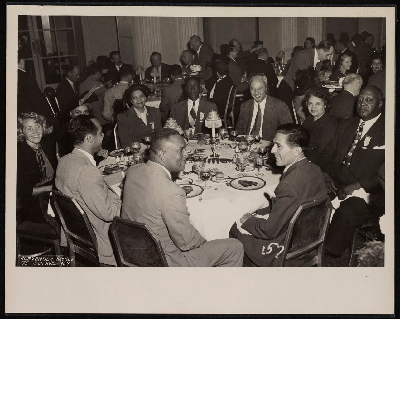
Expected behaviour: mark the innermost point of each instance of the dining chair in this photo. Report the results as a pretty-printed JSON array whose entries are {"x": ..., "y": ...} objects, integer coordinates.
[
  {"x": 306, "y": 232},
  {"x": 369, "y": 231},
  {"x": 77, "y": 227},
  {"x": 135, "y": 245},
  {"x": 39, "y": 232},
  {"x": 230, "y": 103}
]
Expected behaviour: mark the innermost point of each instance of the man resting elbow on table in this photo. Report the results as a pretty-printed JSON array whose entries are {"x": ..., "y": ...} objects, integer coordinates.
[{"x": 263, "y": 234}]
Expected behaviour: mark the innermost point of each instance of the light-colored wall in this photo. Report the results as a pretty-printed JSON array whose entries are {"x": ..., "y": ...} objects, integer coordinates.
[
  {"x": 270, "y": 32},
  {"x": 100, "y": 36}
]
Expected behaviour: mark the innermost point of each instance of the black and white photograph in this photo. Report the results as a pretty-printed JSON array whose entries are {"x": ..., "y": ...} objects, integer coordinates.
[{"x": 197, "y": 137}]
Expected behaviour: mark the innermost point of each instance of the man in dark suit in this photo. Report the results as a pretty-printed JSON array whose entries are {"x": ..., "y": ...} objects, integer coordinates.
[
  {"x": 263, "y": 114},
  {"x": 158, "y": 68},
  {"x": 220, "y": 91},
  {"x": 29, "y": 97},
  {"x": 364, "y": 51},
  {"x": 172, "y": 93},
  {"x": 343, "y": 105},
  {"x": 263, "y": 234},
  {"x": 340, "y": 48},
  {"x": 193, "y": 111},
  {"x": 112, "y": 73},
  {"x": 360, "y": 153},
  {"x": 68, "y": 88},
  {"x": 202, "y": 57},
  {"x": 243, "y": 56},
  {"x": 151, "y": 197},
  {"x": 355, "y": 40},
  {"x": 235, "y": 72},
  {"x": 312, "y": 57},
  {"x": 261, "y": 66}
]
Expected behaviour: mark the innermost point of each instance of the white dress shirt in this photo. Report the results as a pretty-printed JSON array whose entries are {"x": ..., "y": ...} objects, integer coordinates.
[
  {"x": 316, "y": 59},
  {"x": 368, "y": 125},
  {"x": 215, "y": 84},
  {"x": 143, "y": 115},
  {"x": 255, "y": 110},
  {"x": 71, "y": 83}
]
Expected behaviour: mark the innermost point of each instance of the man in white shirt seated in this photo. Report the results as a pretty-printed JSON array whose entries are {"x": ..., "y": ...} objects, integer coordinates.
[
  {"x": 78, "y": 177},
  {"x": 263, "y": 114},
  {"x": 358, "y": 158}
]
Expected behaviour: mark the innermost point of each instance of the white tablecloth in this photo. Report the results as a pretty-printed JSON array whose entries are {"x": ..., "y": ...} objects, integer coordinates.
[
  {"x": 153, "y": 102},
  {"x": 221, "y": 205}
]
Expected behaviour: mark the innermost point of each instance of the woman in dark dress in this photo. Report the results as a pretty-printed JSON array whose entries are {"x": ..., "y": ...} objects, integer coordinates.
[
  {"x": 36, "y": 164},
  {"x": 322, "y": 129},
  {"x": 138, "y": 121}
]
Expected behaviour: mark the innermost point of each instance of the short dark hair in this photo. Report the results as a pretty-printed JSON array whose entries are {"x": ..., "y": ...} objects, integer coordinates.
[
  {"x": 325, "y": 45},
  {"x": 81, "y": 126},
  {"x": 125, "y": 71},
  {"x": 193, "y": 78},
  {"x": 344, "y": 37},
  {"x": 310, "y": 39},
  {"x": 262, "y": 52},
  {"x": 342, "y": 42},
  {"x": 356, "y": 38},
  {"x": 320, "y": 93},
  {"x": 93, "y": 69},
  {"x": 175, "y": 70},
  {"x": 128, "y": 93},
  {"x": 159, "y": 138},
  {"x": 113, "y": 53},
  {"x": 296, "y": 135},
  {"x": 375, "y": 89},
  {"x": 231, "y": 48},
  {"x": 69, "y": 68},
  {"x": 221, "y": 67},
  {"x": 377, "y": 56},
  {"x": 155, "y": 53}
]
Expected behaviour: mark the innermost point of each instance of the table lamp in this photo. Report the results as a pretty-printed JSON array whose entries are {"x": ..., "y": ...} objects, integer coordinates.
[{"x": 213, "y": 121}]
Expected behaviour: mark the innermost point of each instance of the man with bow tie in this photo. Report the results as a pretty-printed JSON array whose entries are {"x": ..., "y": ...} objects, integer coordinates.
[
  {"x": 68, "y": 87},
  {"x": 191, "y": 113},
  {"x": 359, "y": 155}
]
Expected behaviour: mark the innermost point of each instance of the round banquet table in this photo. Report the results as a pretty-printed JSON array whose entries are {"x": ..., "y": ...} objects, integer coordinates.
[{"x": 219, "y": 206}]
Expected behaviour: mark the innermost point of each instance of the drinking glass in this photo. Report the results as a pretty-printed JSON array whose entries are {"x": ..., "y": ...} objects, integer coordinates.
[
  {"x": 249, "y": 141},
  {"x": 205, "y": 175},
  {"x": 187, "y": 134},
  {"x": 147, "y": 141},
  {"x": 197, "y": 167},
  {"x": 257, "y": 138},
  {"x": 262, "y": 150},
  {"x": 135, "y": 146},
  {"x": 258, "y": 163},
  {"x": 243, "y": 146}
]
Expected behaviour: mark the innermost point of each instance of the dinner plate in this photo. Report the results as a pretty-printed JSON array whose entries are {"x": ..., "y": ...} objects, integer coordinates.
[
  {"x": 117, "y": 153},
  {"x": 112, "y": 169},
  {"x": 258, "y": 183},
  {"x": 225, "y": 179},
  {"x": 196, "y": 190}
]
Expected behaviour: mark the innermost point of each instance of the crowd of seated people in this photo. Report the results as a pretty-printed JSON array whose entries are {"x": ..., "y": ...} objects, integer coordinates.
[{"x": 322, "y": 139}]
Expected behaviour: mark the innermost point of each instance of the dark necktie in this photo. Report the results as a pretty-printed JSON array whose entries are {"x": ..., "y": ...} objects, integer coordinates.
[
  {"x": 193, "y": 112},
  {"x": 257, "y": 123},
  {"x": 41, "y": 163},
  {"x": 347, "y": 159}
]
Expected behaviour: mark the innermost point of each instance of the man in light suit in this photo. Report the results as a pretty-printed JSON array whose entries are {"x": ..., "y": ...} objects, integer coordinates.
[
  {"x": 263, "y": 114},
  {"x": 172, "y": 93},
  {"x": 68, "y": 88},
  {"x": 204, "y": 53},
  {"x": 359, "y": 155},
  {"x": 193, "y": 111},
  {"x": 312, "y": 57},
  {"x": 263, "y": 234},
  {"x": 152, "y": 198},
  {"x": 78, "y": 177},
  {"x": 343, "y": 105}
]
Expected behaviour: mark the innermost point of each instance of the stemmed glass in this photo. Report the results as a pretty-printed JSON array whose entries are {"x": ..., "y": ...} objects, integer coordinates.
[
  {"x": 240, "y": 164},
  {"x": 197, "y": 167},
  {"x": 135, "y": 147},
  {"x": 243, "y": 146},
  {"x": 258, "y": 163},
  {"x": 146, "y": 141},
  {"x": 257, "y": 138},
  {"x": 249, "y": 141},
  {"x": 187, "y": 133},
  {"x": 262, "y": 151},
  {"x": 205, "y": 175}
]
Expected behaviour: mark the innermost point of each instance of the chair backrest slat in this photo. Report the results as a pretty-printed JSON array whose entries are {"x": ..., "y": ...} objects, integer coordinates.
[
  {"x": 135, "y": 245},
  {"x": 307, "y": 229}
]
